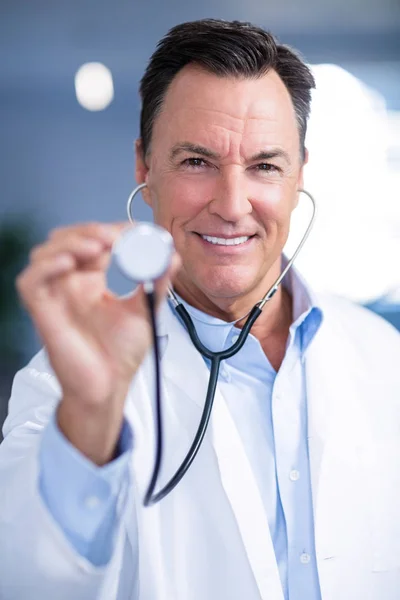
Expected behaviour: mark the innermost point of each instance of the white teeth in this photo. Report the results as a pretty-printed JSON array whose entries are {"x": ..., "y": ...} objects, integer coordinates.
[{"x": 225, "y": 241}]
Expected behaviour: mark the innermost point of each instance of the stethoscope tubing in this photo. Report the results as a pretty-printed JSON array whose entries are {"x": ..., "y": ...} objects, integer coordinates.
[{"x": 216, "y": 358}]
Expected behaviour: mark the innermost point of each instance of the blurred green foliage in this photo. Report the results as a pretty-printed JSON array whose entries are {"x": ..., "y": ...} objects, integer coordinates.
[{"x": 17, "y": 236}]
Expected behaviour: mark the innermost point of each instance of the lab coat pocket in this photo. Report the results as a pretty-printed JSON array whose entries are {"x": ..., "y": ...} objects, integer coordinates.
[{"x": 385, "y": 505}]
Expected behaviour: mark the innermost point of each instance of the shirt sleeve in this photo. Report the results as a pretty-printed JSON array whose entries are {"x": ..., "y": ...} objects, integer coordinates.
[{"x": 82, "y": 497}]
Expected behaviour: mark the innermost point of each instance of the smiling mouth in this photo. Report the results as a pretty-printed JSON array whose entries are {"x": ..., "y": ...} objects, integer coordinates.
[{"x": 222, "y": 241}]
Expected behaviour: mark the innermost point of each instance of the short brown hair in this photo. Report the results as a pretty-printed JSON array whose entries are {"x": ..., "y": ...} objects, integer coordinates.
[{"x": 226, "y": 49}]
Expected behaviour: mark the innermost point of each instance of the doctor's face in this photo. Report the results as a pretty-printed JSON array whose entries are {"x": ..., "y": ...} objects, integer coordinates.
[{"x": 223, "y": 172}]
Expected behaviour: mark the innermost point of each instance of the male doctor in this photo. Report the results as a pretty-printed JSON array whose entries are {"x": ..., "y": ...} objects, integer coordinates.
[{"x": 295, "y": 493}]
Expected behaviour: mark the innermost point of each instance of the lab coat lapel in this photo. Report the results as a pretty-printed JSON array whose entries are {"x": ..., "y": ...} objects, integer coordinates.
[
  {"x": 184, "y": 367},
  {"x": 242, "y": 491}
]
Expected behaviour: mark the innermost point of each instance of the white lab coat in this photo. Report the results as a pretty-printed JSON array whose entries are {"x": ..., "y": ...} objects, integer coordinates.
[{"x": 209, "y": 539}]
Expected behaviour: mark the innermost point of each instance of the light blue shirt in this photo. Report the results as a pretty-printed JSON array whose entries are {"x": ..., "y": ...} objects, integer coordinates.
[{"x": 270, "y": 413}]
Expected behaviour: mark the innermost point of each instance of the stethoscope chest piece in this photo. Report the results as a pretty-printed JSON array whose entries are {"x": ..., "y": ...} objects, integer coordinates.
[{"x": 143, "y": 252}]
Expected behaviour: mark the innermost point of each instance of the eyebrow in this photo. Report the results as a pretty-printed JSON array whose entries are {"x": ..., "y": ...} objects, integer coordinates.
[
  {"x": 273, "y": 153},
  {"x": 202, "y": 151},
  {"x": 195, "y": 148}
]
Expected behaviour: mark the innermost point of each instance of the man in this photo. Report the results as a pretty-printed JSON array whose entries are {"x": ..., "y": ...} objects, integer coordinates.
[{"x": 295, "y": 492}]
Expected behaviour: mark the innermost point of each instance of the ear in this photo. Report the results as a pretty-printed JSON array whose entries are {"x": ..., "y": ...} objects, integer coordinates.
[{"x": 141, "y": 170}]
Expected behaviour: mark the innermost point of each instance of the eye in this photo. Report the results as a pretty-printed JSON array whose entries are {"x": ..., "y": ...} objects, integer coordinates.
[
  {"x": 267, "y": 168},
  {"x": 194, "y": 162}
]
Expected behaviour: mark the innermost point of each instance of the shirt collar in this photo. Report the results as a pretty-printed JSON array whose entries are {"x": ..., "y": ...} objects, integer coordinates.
[{"x": 307, "y": 312}]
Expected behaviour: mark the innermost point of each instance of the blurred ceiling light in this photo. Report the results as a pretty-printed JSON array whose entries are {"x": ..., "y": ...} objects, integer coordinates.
[
  {"x": 94, "y": 86},
  {"x": 353, "y": 248}
]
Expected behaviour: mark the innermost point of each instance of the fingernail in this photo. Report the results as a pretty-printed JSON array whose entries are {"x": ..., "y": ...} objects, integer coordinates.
[{"x": 108, "y": 233}]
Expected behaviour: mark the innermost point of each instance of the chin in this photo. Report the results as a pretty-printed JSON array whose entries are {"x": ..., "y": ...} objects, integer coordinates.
[{"x": 221, "y": 284}]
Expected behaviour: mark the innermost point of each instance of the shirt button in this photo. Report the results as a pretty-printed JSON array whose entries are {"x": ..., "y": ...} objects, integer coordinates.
[
  {"x": 235, "y": 339},
  {"x": 294, "y": 475},
  {"x": 92, "y": 502},
  {"x": 305, "y": 558}
]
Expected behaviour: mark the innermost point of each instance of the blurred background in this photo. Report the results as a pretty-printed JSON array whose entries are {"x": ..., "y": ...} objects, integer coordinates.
[{"x": 67, "y": 130}]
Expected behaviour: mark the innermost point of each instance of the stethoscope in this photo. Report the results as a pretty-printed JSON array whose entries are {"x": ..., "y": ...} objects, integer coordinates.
[{"x": 153, "y": 246}]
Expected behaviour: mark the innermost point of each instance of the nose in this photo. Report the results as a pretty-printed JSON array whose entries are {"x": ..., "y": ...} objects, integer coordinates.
[{"x": 230, "y": 200}]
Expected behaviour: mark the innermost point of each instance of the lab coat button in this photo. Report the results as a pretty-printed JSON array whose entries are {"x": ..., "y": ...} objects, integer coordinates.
[
  {"x": 294, "y": 475},
  {"x": 305, "y": 558},
  {"x": 92, "y": 502}
]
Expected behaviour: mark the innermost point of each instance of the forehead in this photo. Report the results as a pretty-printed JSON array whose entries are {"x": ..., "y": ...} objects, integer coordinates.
[{"x": 200, "y": 105}]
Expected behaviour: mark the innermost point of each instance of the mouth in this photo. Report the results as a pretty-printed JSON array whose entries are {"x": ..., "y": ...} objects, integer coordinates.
[{"x": 226, "y": 241}]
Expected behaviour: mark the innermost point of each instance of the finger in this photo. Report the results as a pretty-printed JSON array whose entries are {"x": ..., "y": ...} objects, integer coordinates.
[
  {"x": 33, "y": 281},
  {"x": 88, "y": 254},
  {"x": 80, "y": 247},
  {"x": 104, "y": 232}
]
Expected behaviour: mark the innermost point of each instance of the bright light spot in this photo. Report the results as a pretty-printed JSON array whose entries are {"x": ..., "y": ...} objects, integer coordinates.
[
  {"x": 94, "y": 86},
  {"x": 353, "y": 248}
]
